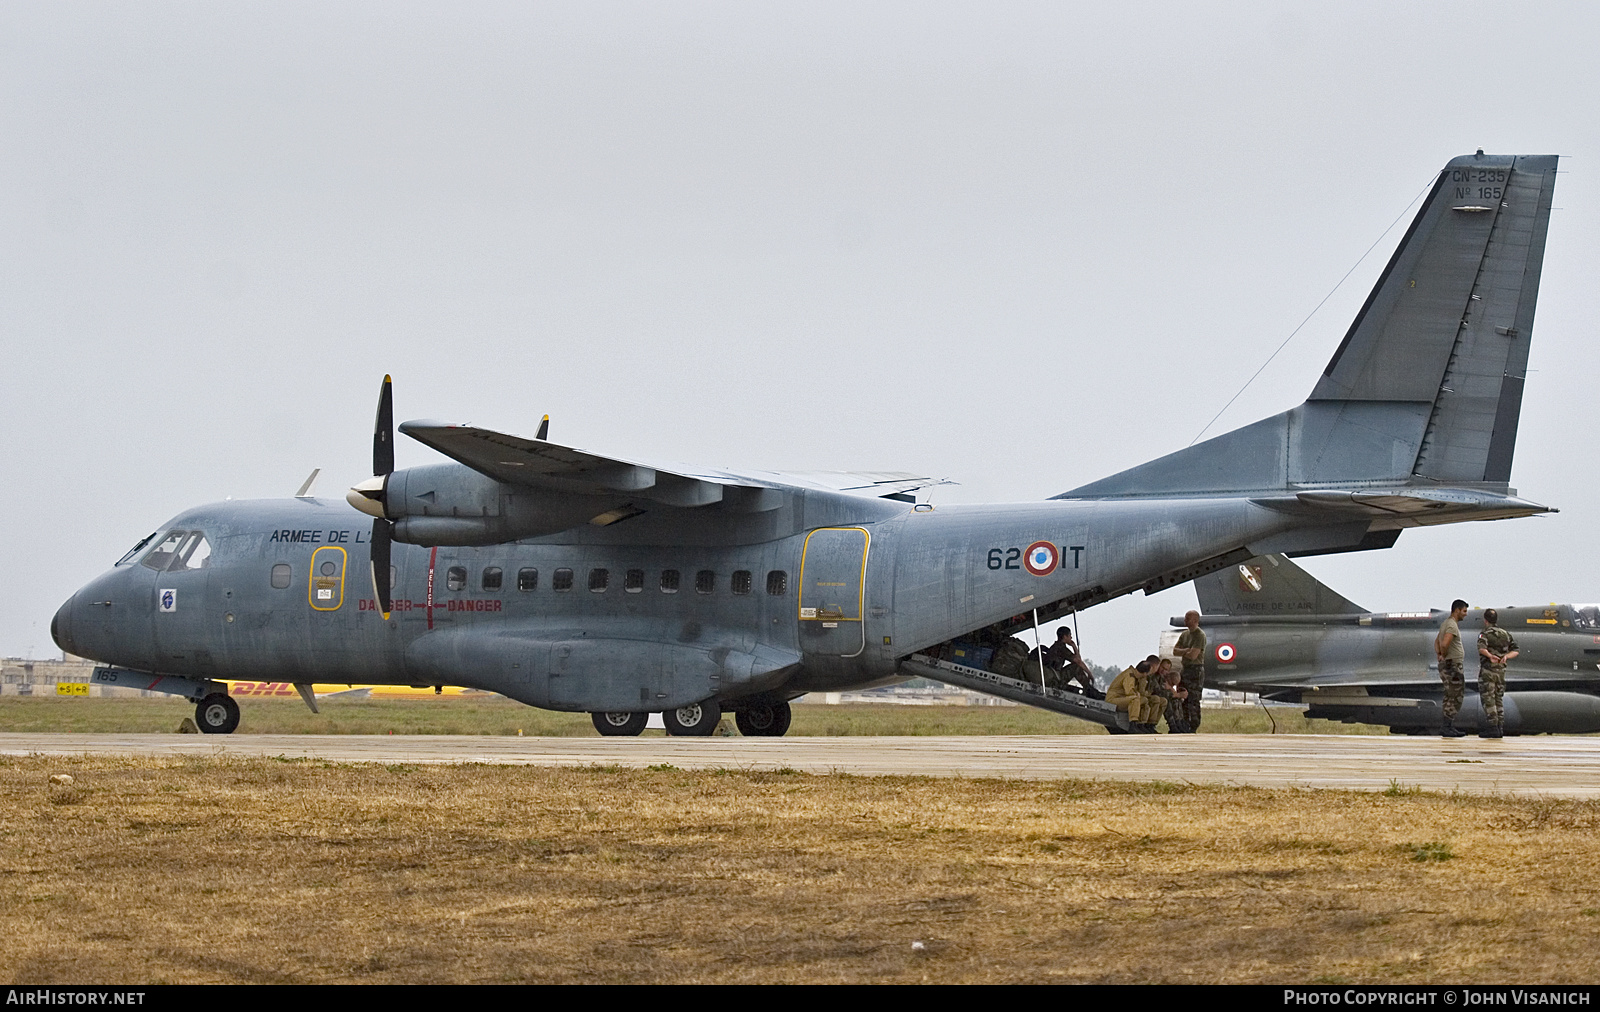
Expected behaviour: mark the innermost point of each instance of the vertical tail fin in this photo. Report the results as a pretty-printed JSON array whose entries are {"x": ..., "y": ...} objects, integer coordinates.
[
  {"x": 1426, "y": 387},
  {"x": 1448, "y": 324},
  {"x": 1270, "y": 585}
]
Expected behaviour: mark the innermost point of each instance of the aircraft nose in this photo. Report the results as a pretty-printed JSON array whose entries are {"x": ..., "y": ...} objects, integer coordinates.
[{"x": 61, "y": 626}]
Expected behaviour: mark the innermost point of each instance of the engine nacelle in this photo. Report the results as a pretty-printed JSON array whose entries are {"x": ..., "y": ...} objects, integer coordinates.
[{"x": 450, "y": 504}]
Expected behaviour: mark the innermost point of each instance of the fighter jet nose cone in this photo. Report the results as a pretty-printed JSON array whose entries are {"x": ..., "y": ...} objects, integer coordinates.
[
  {"x": 367, "y": 497},
  {"x": 61, "y": 626}
]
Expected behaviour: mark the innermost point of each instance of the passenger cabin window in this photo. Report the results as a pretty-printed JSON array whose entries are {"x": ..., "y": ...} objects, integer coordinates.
[
  {"x": 669, "y": 581},
  {"x": 455, "y": 578},
  {"x": 527, "y": 579},
  {"x": 492, "y": 578},
  {"x": 705, "y": 581},
  {"x": 178, "y": 551},
  {"x": 777, "y": 583},
  {"x": 562, "y": 581},
  {"x": 598, "y": 579},
  {"x": 282, "y": 573},
  {"x": 739, "y": 582},
  {"x": 633, "y": 581}
]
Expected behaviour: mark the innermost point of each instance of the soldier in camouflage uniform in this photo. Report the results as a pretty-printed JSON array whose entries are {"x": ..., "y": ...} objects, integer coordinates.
[
  {"x": 1495, "y": 648},
  {"x": 1447, "y": 647},
  {"x": 1164, "y": 686},
  {"x": 1191, "y": 650}
]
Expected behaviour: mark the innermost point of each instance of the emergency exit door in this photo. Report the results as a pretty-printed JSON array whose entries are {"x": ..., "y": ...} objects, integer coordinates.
[
  {"x": 326, "y": 592},
  {"x": 833, "y": 587}
]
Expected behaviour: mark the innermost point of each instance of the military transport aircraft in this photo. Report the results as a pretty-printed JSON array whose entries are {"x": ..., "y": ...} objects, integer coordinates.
[
  {"x": 1274, "y": 629},
  {"x": 582, "y": 581}
]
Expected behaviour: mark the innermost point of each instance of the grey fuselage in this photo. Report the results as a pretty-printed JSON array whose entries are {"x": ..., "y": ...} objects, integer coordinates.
[
  {"x": 929, "y": 574},
  {"x": 1412, "y": 423}
]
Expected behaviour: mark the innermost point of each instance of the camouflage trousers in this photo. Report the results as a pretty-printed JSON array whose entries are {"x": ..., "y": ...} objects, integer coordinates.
[
  {"x": 1194, "y": 680},
  {"x": 1492, "y": 690},
  {"x": 1455, "y": 686},
  {"x": 1176, "y": 722}
]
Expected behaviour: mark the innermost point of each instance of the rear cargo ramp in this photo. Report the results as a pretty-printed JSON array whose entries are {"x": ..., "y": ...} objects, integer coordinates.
[{"x": 1016, "y": 690}]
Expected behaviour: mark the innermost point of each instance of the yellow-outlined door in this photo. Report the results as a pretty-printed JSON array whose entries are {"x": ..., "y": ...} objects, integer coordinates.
[
  {"x": 833, "y": 591},
  {"x": 325, "y": 590}
]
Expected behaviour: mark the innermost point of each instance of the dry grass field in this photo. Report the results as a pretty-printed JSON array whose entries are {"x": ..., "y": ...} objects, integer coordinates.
[
  {"x": 267, "y": 870},
  {"x": 500, "y": 716}
]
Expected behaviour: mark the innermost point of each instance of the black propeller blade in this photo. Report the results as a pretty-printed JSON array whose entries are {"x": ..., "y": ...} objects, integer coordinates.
[
  {"x": 382, "y": 538},
  {"x": 544, "y": 429},
  {"x": 382, "y": 467},
  {"x": 383, "y": 431}
]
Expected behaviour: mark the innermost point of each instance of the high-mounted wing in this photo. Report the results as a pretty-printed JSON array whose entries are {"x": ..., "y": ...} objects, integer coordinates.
[
  {"x": 538, "y": 463},
  {"x": 881, "y": 484}
]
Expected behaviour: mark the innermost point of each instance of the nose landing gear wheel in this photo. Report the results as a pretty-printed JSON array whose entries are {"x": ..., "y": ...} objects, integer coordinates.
[
  {"x": 619, "y": 725},
  {"x": 764, "y": 721},
  {"x": 697, "y": 720},
  {"x": 217, "y": 714}
]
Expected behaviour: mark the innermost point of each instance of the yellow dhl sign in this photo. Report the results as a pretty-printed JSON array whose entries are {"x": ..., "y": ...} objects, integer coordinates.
[
  {"x": 72, "y": 688},
  {"x": 286, "y": 690}
]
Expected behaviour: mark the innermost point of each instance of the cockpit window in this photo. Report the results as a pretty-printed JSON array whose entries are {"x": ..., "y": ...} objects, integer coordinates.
[
  {"x": 179, "y": 550},
  {"x": 136, "y": 549},
  {"x": 161, "y": 556},
  {"x": 1586, "y": 616}
]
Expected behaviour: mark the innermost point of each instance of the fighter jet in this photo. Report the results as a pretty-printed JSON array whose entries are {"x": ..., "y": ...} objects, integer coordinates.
[
  {"x": 586, "y": 581},
  {"x": 1273, "y": 629}
]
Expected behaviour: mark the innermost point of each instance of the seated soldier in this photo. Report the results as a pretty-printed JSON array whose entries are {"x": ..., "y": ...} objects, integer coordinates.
[
  {"x": 1175, "y": 694},
  {"x": 1063, "y": 655},
  {"x": 1127, "y": 692}
]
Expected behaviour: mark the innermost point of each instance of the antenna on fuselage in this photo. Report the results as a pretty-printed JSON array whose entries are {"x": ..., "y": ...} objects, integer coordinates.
[{"x": 305, "y": 489}]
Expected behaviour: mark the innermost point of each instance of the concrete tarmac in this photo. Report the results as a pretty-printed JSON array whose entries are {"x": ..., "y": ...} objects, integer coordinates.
[{"x": 1543, "y": 766}]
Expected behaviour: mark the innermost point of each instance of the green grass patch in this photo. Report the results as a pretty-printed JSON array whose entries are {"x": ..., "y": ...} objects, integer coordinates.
[{"x": 1432, "y": 851}]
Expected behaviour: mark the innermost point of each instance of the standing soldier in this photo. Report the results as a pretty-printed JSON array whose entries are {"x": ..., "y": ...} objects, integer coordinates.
[
  {"x": 1191, "y": 650},
  {"x": 1447, "y": 646},
  {"x": 1495, "y": 648}
]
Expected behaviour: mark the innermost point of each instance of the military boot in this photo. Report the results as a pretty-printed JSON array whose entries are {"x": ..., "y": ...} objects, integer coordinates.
[
  {"x": 1492, "y": 731},
  {"x": 1451, "y": 731}
]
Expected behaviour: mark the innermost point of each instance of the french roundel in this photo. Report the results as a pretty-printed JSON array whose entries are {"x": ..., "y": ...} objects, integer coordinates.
[
  {"x": 1040, "y": 558},
  {"x": 1226, "y": 653}
]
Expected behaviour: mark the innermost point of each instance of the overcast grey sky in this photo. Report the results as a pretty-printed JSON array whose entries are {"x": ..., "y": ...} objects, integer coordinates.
[{"x": 1020, "y": 245}]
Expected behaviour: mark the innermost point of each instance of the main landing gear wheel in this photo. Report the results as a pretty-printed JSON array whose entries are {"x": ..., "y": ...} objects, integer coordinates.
[
  {"x": 764, "y": 721},
  {"x": 697, "y": 720},
  {"x": 619, "y": 725},
  {"x": 217, "y": 714}
]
